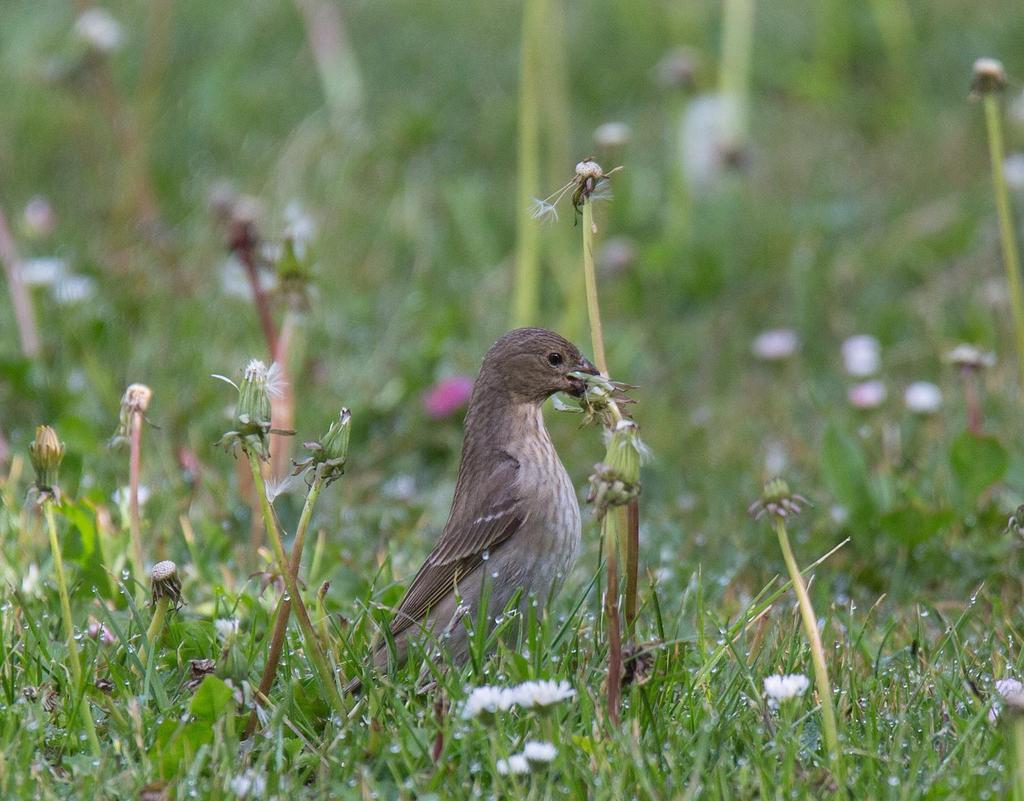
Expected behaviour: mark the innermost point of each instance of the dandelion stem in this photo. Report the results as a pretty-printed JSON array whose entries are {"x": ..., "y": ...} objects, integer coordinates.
[
  {"x": 610, "y": 525},
  {"x": 821, "y": 680},
  {"x": 737, "y": 44},
  {"x": 156, "y": 628},
  {"x": 593, "y": 309},
  {"x": 632, "y": 562},
  {"x": 69, "y": 629},
  {"x": 285, "y": 606},
  {"x": 314, "y": 652},
  {"x": 1007, "y": 236},
  {"x": 134, "y": 516}
]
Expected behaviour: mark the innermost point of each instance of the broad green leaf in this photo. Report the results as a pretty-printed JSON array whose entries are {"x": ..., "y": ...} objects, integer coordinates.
[
  {"x": 845, "y": 471},
  {"x": 212, "y": 700},
  {"x": 978, "y": 462},
  {"x": 81, "y": 545}
]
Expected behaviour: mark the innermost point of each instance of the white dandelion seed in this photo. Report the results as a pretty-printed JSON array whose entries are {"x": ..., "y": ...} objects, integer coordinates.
[
  {"x": 543, "y": 210},
  {"x": 276, "y": 487},
  {"x": 781, "y": 688}
]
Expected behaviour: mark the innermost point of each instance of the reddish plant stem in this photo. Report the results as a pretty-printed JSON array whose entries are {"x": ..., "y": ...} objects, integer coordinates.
[
  {"x": 632, "y": 566},
  {"x": 611, "y": 523},
  {"x": 972, "y": 400},
  {"x": 243, "y": 244},
  {"x": 24, "y": 315}
]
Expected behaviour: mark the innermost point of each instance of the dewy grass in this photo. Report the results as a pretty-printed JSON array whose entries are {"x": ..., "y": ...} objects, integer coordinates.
[
  {"x": 777, "y": 503},
  {"x": 989, "y": 82}
]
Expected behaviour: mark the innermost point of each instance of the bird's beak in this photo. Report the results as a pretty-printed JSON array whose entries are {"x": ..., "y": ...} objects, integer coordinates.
[{"x": 577, "y": 385}]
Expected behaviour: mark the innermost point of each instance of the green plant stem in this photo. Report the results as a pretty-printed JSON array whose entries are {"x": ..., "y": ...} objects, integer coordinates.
[
  {"x": 69, "y": 630},
  {"x": 1007, "y": 235},
  {"x": 821, "y": 680},
  {"x": 1017, "y": 755},
  {"x": 285, "y": 606},
  {"x": 134, "y": 514},
  {"x": 526, "y": 296},
  {"x": 589, "y": 274},
  {"x": 156, "y": 628},
  {"x": 313, "y": 650},
  {"x": 610, "y": 529},
  {"x": 737, "y": 44}
]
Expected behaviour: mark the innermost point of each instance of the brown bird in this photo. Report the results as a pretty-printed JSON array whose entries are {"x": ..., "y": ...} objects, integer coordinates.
[{"x": 515, "y": 521}]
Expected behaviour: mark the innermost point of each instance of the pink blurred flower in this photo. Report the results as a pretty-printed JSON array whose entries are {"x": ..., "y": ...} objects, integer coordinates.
[
  {"x": 99, "y": 631},
  {"x": 867, "y": 395},
  {"x": 447, "y": 396}
]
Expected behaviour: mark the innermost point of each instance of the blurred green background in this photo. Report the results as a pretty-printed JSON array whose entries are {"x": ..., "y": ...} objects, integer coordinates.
[{"x": 859, "y": 202}]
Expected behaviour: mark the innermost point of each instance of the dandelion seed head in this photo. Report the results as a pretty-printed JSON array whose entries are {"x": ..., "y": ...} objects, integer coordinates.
[{"x": 589, "y": 169}]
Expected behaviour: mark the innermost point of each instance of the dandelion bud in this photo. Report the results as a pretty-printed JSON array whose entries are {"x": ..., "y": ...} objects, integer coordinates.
[
  {"x": 616, "y": 480},
  {"x": 777, "y": 501},
  {"x": 989, "y": 76},
  {"x": 329, "y": 454},
  {"x": 46, "y": 453},
  {"x": 253, "y": 398},
  {"x": 165, "y": 583}
]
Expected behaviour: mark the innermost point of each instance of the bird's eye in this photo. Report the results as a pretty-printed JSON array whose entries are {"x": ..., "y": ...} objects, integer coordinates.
[{"x": 555, "y": 359}]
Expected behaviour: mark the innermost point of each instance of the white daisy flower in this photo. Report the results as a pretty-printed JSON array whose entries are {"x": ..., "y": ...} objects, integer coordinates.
[
  {"x": 542, "y": 693},
  {"x": 486, "y": 699},
  {"x": 539, "y": 751},
  {"x": 861, "y": 355},
  {"x": 781, "y": 688},
  {"x": 1012, "y": 692},
  {"x": 248, "y": 784},
  {"x": 73, "y": 289},
  {"x": 923, "y": 397},
  {"x": 516, "y": 763},
  {"x": 776, "y": 344},
  {"x": 43, "y": 271}
]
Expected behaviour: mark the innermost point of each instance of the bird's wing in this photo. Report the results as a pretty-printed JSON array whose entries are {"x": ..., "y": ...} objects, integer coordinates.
[{"x": 481, "y": 519}]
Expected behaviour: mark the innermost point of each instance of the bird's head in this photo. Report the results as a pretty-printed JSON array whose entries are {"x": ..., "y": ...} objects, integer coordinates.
[{"x": 532, "y": 364}]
